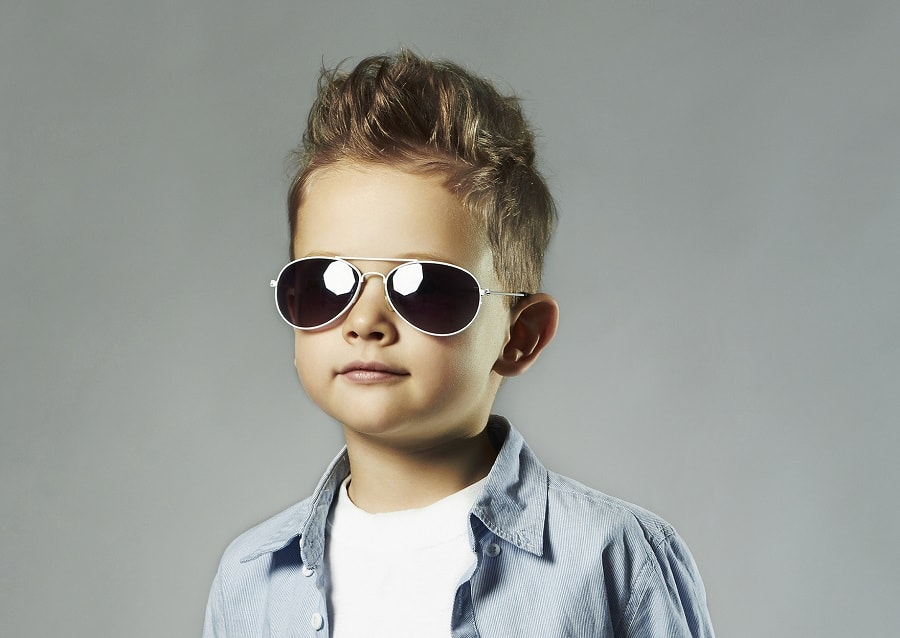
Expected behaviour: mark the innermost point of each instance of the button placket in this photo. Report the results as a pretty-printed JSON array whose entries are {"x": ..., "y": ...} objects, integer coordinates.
[{"x": 316, "y": 620}]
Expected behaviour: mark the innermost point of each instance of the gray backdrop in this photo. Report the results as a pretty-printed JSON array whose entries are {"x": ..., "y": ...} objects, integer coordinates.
[{"x": 726, "y": 263}]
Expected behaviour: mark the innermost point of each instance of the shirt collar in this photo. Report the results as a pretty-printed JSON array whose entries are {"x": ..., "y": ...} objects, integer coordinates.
[
  {"x": 512, "y": 505},
  {"x": 307, "y": 521}
]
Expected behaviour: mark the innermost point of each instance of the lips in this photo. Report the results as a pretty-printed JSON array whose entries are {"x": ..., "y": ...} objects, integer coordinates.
[{"x": 367, "y": 372}]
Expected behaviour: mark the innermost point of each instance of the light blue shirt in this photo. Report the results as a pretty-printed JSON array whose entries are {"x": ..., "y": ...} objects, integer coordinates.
[{"x": 554, "y": 559}]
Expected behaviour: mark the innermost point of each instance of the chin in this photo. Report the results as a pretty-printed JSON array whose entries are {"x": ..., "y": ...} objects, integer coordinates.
[{"x": 371, "y": 423}]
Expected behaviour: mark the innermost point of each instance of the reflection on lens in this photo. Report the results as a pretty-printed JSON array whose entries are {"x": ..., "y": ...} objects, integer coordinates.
[
  {"x": 339, "y": 278},
  {"x": 406, "y": 279}
]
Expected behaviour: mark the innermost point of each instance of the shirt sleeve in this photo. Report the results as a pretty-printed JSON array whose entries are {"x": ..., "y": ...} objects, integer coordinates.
[
  {"x": 668, "y": 597},
  {"x": 213, "y": 624}
]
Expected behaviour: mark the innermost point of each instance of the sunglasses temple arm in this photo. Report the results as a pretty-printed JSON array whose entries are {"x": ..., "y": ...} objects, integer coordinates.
[{"x": 487, "y": 292}]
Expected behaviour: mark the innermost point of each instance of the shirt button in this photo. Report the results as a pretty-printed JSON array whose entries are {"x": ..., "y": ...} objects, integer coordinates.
[
  {"x": 307, "y": 571},
  {"x": 316, "y": 621},
  {"x": 493, "y": 549}
]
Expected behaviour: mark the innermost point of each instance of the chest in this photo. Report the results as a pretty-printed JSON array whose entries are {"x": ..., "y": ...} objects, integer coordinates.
[{"x": 502, "y": 592}]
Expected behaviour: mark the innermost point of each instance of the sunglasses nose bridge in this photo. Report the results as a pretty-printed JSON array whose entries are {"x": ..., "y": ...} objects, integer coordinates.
[{"x": 372, "y": 273}]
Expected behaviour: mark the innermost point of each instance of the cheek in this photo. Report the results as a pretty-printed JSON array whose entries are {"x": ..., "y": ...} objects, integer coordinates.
[
  {"x": 478, "y": 350},
  {"x": 307, "y": 358},
  {"x": 493, "y": 332},
  {"x": 298, "y": 350}
]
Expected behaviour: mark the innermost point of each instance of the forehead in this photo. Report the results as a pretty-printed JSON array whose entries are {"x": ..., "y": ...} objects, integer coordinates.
[{"x": 382, "y": 211}]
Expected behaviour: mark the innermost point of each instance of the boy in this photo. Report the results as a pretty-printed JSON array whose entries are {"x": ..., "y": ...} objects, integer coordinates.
[{"x": 418, "y": 227}]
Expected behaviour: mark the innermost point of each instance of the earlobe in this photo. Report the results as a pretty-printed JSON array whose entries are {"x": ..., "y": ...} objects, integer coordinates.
[{"x": 534, "y": 321}]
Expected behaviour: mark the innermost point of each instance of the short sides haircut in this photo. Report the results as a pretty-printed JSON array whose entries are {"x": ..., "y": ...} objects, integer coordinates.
[{"x": 436, "y": 117}]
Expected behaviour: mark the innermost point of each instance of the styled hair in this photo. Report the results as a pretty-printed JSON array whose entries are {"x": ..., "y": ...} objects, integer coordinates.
[{"x": 435, "y": 117}]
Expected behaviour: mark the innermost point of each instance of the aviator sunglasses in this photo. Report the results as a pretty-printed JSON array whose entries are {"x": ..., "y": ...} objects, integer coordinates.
[{"x": 433, "y": 297}]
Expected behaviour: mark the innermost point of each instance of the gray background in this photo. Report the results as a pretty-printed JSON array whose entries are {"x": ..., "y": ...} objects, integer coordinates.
[{"x": 726, "y": 262}]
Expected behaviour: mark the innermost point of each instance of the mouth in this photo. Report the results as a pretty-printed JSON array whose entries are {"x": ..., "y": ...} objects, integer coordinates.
[{"x": 366, "y": 372}]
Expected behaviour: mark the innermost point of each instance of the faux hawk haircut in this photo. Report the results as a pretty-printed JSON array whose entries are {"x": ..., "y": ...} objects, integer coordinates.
[{"x": 435, "y": 117}]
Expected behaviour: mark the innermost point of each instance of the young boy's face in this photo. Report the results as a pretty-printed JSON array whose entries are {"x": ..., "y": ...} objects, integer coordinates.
[{"x": 428, "y": 390}]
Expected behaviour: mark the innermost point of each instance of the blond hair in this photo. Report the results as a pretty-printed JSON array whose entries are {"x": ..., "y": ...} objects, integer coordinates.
[{"x": 436, "y": 117}]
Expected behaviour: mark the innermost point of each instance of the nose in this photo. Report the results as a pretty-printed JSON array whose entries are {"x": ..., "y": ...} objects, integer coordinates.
[{"x": 371, "y": 317}]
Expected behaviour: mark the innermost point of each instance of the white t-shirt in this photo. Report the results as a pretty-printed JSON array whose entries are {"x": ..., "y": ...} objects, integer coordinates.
[{"x": 395, "y": 575}]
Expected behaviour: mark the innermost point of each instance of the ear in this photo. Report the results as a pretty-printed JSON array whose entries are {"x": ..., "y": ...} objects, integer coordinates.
[{"x": 533, "y": 325}]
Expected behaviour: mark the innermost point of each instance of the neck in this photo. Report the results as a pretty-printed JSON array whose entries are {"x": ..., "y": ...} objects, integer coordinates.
[{"x": 387, "y": 479}]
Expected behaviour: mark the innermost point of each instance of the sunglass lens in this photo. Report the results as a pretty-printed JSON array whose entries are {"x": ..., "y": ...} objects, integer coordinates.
[
  {"x": 437, "y": 298},
  {"x": 312, "y": 292}
]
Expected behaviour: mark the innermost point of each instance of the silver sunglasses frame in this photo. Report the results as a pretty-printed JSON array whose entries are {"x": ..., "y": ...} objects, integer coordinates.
[{"x": 482, "y": 292}]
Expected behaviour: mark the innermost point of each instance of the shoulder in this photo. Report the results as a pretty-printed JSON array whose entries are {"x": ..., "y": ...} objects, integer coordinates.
[
  {"x": 268, "y": 536},
  {"x": 256, "y": 563},
  {"x": 648, "y": 573},
  {"x": 306, "y": 518},
  {"x": 624, "y": 540},
  {"x": 531, "y": 506},
  {"x": 244, "y": 572},
  {"x": 581, "y": 504}
]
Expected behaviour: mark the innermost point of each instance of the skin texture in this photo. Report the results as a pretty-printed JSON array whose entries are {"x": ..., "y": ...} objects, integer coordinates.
[{"x": 414, "y": 425}]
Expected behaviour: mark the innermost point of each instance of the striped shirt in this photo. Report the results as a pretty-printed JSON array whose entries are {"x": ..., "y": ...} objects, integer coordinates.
[{"x": 553, "y": 559}]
